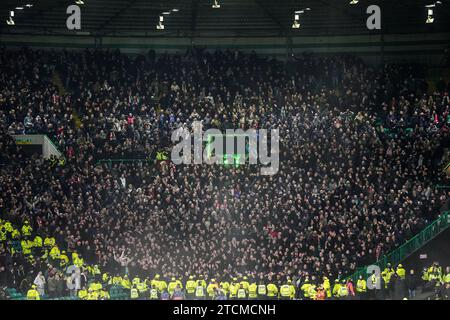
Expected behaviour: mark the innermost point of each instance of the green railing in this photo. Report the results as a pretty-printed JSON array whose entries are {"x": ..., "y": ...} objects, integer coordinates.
[{"x": 410, "y": 246}]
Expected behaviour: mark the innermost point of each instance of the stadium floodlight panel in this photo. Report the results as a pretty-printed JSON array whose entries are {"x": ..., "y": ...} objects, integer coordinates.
[{"x": 216, "y": 4}]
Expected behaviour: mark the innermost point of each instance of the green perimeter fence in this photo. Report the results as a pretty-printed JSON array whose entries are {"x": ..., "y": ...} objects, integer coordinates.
[{"x": 410, "y": 246}]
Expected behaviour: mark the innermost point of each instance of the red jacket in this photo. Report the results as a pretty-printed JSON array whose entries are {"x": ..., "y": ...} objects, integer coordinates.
[{"x": 350, "y": 288}]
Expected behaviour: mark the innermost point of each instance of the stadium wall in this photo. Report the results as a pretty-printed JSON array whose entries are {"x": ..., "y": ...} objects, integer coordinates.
[
  {"x": 426, "y": 48},
  {"x": 44, "y": 144}
]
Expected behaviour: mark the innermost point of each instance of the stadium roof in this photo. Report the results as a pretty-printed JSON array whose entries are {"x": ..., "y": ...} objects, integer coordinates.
[{"x": 233, "y": 18}]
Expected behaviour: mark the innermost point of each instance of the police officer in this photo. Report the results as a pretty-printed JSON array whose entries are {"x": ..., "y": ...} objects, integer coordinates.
[
  {"x": 262, "y": 289},
  {"x": 201, "y": 282},
  {"x": 305, "y": 288},
  {"x": 244, "y": 283},
  {"x": 142, "y": 288},
  {"x": 134, "y": 293},
  {"x": 172, "y": 285},
  {"x": 200, "y": 292},
  {"x": 155, "y": 281},
  {"x": 285, "y": 291},
  {"x": 225, "y": 287},
  {"x": 253, "y": 290},
  {"x": 234, "y": 287},
  {"x": 82, "y": 294},
  {"x": 336, "y": 288},
  {"x": 154, "y": 295},
  {"x": 326, "y": 287},
  {"x": 401, "y": 272},
  {"x": 361, "y": 288},
  {"x": 211, "y": 289},
  {"x": 162, "y": 285},
  {"x": 241, "y": 293},
  {"x": 272, "y": 290},
  {"x": 343, "y": 291},
  {"x": 312, "y": 292}
]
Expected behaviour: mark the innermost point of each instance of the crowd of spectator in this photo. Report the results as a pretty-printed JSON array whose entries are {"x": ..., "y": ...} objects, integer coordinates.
[{"x": 360, "y": 155}]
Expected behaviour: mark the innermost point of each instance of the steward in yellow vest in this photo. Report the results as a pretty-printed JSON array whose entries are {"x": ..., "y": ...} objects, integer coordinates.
[
  {"x": 200, "y": 293},
  {"x": 253, "y": 291},
  {"x": 33, "y": 294},
  {"x": 305, "y": 288},
  {"x": 154, "y": 293},
  {"x": 272, "y": 291},
  {"x": 262, "y": 290},
  {"x": 190, "y": 288},
  {"x": 241, "y": 293},
  {"x": 225, "y": 287},
  {"x": 134, "y": 293},
  {"x": 285, "y": 292},
  {"x": 361, "y": 288},
  {"x": 327, "y": 286},
  {"x": 211, "y": 289},
  {"x": 234, "y": 287}
]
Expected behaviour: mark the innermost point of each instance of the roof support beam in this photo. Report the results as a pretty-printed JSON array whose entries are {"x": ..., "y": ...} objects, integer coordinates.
[
  {"x": 342, "y": 8},
  {"x": 116, "y": 15},
  {"x": 270, "y": 15},
  {"x": 194, "y": 10}
]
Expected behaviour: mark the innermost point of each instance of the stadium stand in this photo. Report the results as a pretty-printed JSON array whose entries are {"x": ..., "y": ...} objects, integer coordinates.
[{"x": 361, "y": 154}]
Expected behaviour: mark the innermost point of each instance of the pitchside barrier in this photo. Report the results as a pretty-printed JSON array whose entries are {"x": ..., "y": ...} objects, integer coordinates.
[{"x": 410, "y": 246}]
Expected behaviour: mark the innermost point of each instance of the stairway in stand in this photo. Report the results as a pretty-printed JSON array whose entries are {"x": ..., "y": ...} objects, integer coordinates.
[{"x": 56, "y": 79}]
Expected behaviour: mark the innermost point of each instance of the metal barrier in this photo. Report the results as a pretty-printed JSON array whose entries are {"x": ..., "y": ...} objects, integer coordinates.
[{"x": 410, "y": 246}]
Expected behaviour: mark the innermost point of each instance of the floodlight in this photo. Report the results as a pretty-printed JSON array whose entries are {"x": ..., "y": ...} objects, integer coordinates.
[{"x": 216, "y": 5}]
